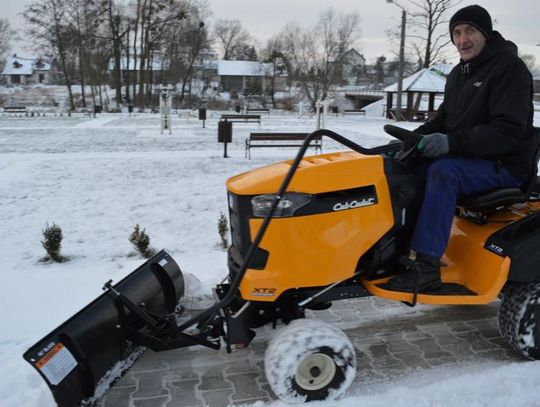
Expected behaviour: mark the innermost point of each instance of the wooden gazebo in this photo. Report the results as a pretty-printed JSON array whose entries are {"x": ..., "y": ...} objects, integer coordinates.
[{"x": 422, "y": 82}]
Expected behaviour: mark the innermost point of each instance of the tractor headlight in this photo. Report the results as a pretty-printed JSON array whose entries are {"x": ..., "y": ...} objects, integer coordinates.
[{"x": 287, "y": 206}]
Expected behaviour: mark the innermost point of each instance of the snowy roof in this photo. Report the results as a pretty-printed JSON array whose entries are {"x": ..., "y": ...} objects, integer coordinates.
[
  {"x": 244, "y": 68},
  {"x": 24, "y": 66},
  {"x": 422, "y": 81},
  {"x": 352, "y": 50}
]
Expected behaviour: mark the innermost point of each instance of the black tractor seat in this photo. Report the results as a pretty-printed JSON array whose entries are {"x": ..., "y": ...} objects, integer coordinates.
[{"x": 492, "y": 200}]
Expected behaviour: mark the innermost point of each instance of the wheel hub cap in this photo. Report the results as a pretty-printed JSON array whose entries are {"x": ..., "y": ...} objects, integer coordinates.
[{"x": 315, "y": 371}]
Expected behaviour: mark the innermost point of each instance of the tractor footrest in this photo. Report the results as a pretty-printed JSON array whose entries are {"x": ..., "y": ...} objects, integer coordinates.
[{"x": 450, "y": 289}]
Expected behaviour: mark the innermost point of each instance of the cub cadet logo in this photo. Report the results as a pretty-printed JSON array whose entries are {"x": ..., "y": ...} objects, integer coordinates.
[
  {"x": 264, "y": 292},
  {"x": 354, "y": 204},
  {"x": 495, "y": 248}
]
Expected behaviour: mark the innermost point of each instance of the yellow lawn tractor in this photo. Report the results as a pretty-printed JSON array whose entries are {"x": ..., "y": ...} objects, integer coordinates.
[{"x": 305, "y": 233}]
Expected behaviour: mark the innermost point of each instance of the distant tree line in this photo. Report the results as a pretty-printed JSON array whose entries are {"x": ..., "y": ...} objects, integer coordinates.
[
  {"x": 91, "y": 37},
  {"x": 95, "y": 41},
  {"x": 125, "y": 42},
  {"x": 6, "y": 35}
]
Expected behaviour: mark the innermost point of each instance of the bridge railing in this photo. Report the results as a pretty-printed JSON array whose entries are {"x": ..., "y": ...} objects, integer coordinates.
[{"x": 361, "y": 90}]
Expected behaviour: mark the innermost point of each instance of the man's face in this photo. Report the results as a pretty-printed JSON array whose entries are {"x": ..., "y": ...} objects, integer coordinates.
[{"x": 468, "y": 40}]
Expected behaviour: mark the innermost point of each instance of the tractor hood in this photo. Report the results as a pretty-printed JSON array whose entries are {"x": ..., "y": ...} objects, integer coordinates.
[{"x": 316, "y": 174}]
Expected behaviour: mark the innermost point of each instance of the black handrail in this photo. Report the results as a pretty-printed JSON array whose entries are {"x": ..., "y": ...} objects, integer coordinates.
[{"x": 262, "y": 230}]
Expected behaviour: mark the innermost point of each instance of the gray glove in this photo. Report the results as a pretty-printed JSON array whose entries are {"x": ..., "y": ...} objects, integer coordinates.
[{"x": 434, "y": 145}]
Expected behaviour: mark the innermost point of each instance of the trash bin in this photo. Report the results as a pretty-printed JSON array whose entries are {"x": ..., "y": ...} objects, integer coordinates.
[
  {"x": 224, "y": 132},
  {"x": 202, "y": 114},
  {"x": 237, "y": 108},
  {"x": 98, "y": 109}
]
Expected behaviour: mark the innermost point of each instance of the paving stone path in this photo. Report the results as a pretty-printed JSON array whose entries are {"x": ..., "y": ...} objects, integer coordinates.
[{"x": 391, "y": 340}]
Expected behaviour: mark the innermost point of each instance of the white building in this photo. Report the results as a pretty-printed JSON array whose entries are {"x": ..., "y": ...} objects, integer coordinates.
[
  {"x": 249, "y": 76},
  {"x": 19, "y": 70},
  {"x": 353, "y": 68}
]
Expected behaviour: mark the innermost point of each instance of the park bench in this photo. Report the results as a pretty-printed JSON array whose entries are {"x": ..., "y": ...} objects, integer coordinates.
[
  {"x": 258, "y": 110},
  {"x": 354, "y": 111},
  {"x": 280, "y": 140},
  {"x": 242, "y": 118},
  {"x": 15, "y": 110}
]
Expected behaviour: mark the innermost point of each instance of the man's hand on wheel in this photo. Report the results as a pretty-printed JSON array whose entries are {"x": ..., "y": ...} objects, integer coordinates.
[{"x": 434, "y": 144}]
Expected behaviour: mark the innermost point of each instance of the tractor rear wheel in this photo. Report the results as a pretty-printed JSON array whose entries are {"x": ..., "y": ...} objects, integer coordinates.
[
  {"x": 519, "y": 318},
  {"x": 310, "y": 360}
]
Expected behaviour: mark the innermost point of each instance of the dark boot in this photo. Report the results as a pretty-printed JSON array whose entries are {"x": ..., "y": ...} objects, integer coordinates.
[{"x": 421, "y": 274}]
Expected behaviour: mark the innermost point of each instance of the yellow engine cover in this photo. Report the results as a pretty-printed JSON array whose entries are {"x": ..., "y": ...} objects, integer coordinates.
[{"x": 315, "y": 250}]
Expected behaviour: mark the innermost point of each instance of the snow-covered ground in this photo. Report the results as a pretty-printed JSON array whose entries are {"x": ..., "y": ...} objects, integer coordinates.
[{"x": 97, "y": 178}]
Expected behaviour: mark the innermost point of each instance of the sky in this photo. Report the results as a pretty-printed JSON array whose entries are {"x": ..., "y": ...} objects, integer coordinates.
[{"x": 263, "y": 19}]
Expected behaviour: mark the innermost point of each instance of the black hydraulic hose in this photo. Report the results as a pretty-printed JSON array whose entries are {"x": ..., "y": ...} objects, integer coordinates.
[{"x": 262, "y": 230}]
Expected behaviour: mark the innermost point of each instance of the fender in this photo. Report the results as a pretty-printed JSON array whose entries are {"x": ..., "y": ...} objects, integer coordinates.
[{"x": 519, "y": 241}]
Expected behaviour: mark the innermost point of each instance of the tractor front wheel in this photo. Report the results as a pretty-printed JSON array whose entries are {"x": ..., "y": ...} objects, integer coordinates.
[
  {"x": 519, "y": 318},
  {"x": 310, "y": 360}
]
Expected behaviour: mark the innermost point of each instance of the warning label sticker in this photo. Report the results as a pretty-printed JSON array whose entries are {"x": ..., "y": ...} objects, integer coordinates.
[{"x": 56, "y": 364}]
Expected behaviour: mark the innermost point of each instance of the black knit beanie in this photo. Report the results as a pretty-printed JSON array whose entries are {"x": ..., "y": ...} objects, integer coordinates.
[{"x": 473, "y": 15}]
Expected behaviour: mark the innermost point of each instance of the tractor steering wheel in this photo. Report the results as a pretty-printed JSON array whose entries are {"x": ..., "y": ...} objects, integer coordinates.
[{"x": 409, "y": 138}]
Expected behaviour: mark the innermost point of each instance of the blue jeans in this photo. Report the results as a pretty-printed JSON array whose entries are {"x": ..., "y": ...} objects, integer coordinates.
[{"x": 446, "y": 179}]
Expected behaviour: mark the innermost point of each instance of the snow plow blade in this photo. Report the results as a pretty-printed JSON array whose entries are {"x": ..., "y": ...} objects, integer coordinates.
[{"x": 81, "y": 358}]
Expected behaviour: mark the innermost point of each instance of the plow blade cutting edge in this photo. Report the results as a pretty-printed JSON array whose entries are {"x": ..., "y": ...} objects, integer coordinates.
[{"x": 84, "y": 355}]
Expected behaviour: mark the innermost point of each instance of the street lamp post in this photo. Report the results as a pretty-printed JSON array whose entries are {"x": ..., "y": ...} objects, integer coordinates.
[{"x": 401, "y": 66}]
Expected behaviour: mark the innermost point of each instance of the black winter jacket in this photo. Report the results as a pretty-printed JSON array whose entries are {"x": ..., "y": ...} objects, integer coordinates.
[{"x": 487, "y": 110}]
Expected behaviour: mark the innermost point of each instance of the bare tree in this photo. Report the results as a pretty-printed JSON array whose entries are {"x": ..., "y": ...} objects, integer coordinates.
[
  {"x": 315, "y": 54},
  {"x": 184, "y": 42},
  {"x": 273, "y": 54},
  {"x": 47, "y": 26},
  {"x": 117, "y": 28},
  {"x": 135, "y": 23},
  {"x": 232, "y": 37},
  {"x": 427, "y": 36},
  {"x": 430, "y": 30},
  {"x": 83, "y": 21},
  {"x": 146, "y": 21},
  {"x": 196, "y": 40},
  {"x": 6, "y": 35},
  {"x": 154, "y": 18}
]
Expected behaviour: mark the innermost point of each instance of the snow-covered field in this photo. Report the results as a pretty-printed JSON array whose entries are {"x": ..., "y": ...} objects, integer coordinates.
[{"x": 97, "y": 178}]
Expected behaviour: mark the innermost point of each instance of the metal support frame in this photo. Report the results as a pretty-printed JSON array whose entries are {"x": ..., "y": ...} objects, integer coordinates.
[{"x": 160, "y": 333}]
